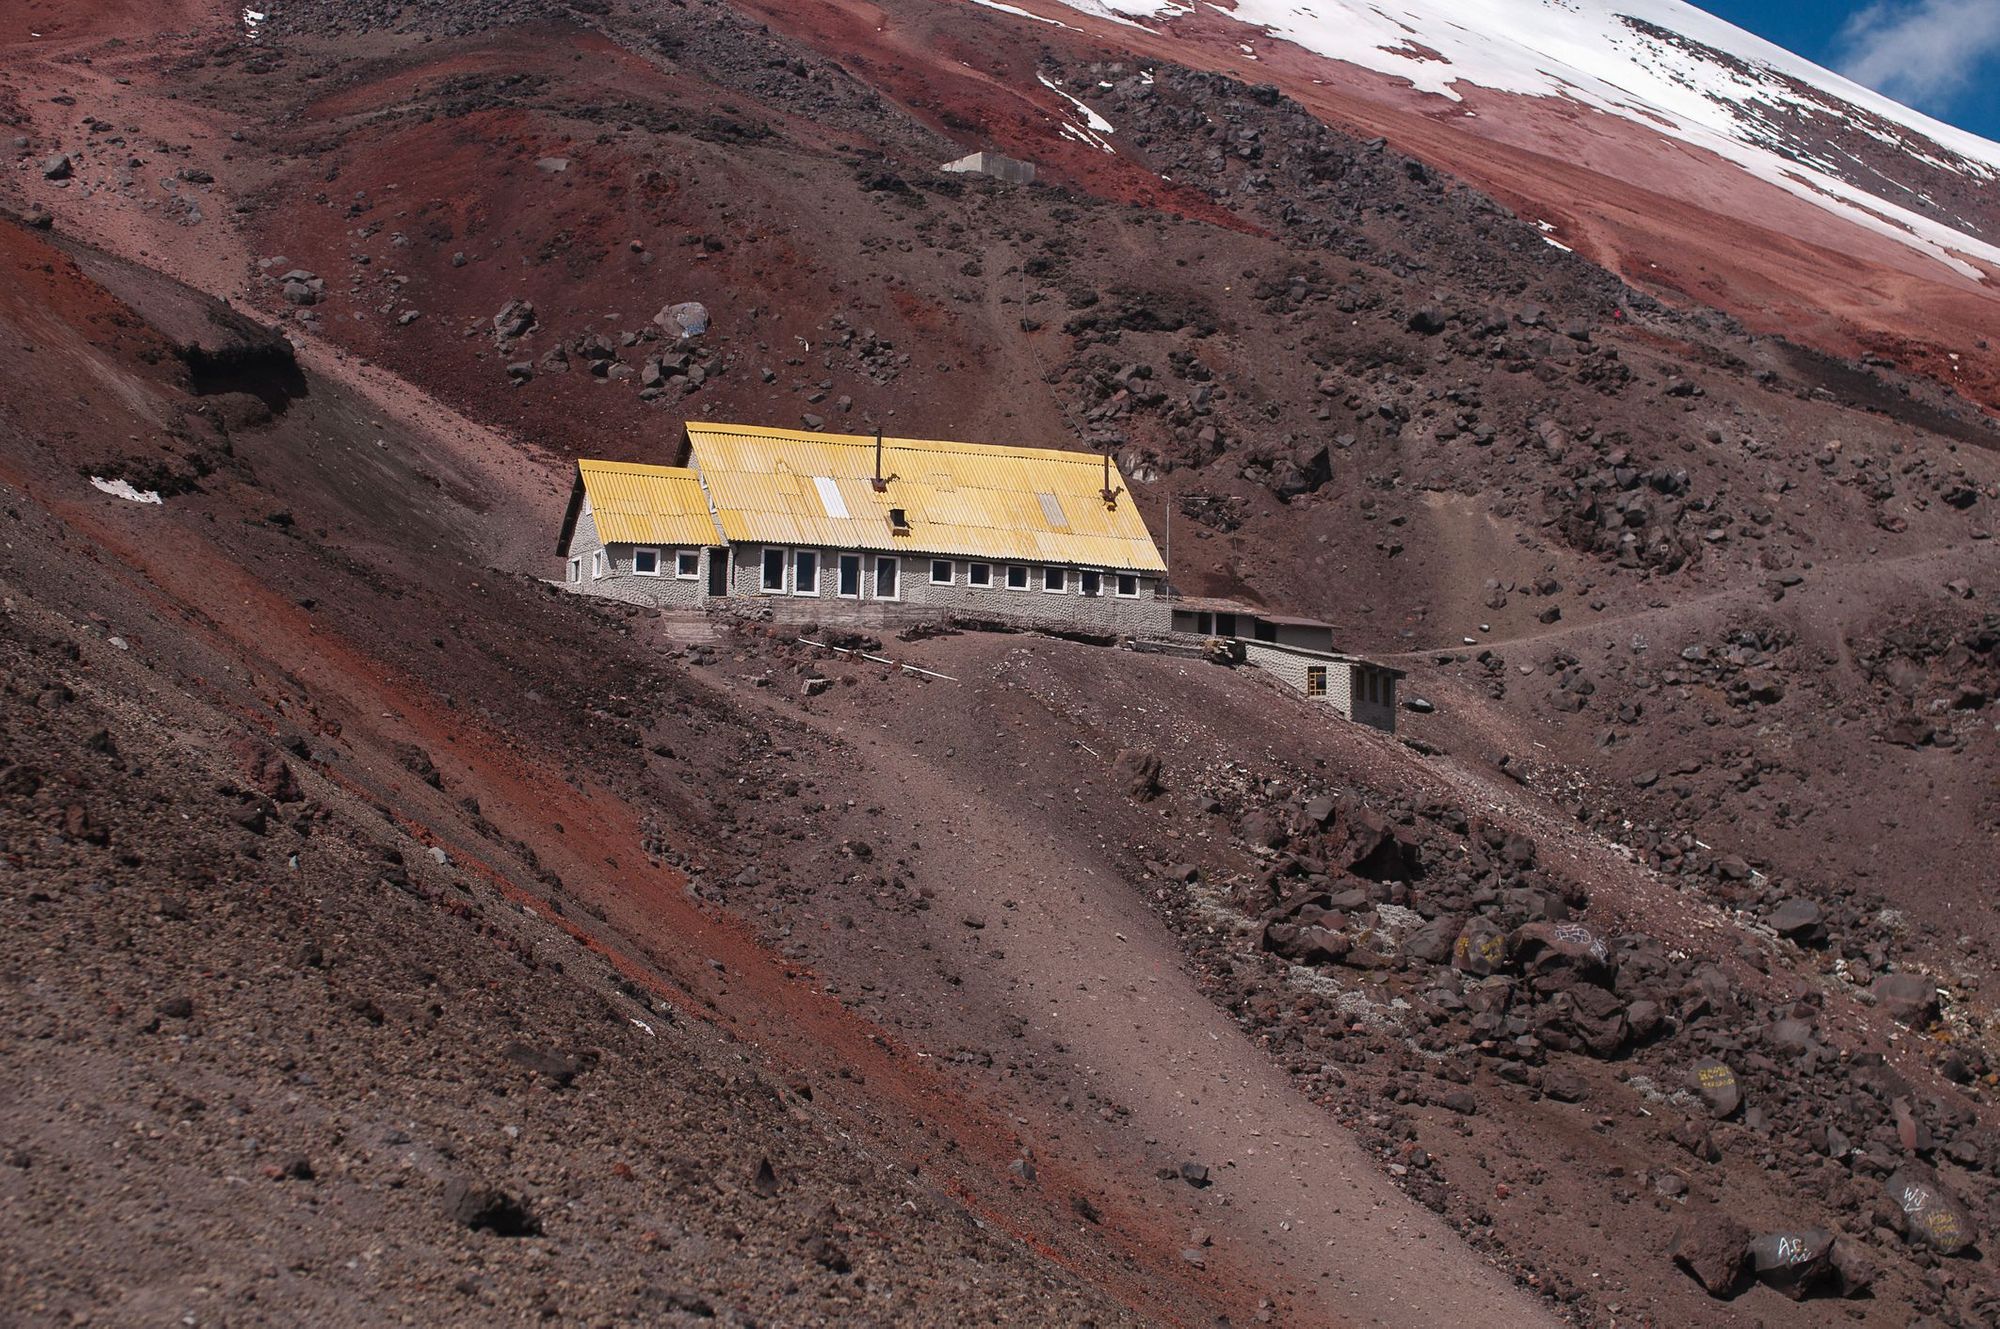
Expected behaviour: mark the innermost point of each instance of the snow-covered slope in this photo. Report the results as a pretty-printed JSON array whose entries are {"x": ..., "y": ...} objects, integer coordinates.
[{"x": 1672, "y": 68}]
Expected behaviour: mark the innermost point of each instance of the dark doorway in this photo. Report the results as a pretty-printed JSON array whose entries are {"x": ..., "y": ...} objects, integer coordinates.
[{"x": 718, "y": 572}]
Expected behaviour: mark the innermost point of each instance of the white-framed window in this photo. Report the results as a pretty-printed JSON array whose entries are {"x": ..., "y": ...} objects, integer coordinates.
[
  {"x": 978, "y": 574},
  {"x": 596, "y": 564},
  {"x": 1017, "y": 577},
  {"x": 1055, "y": 580},
  {"x": 576, "y": 569},
  {"x": 940, "y": 572},
  {"x": 1315, "y": 680},
  {"x": 1128, "y": 586},
  {"x": 805, "y": 572},
  {"x": 1093, "y": 581},
  {"x": 645, "y": 562},
  {"x": 687, "y": 564},
  {"x": 848, "y": 577},
  {"x": 774, "y": 570},
  {"x": 885, "y": 579}
]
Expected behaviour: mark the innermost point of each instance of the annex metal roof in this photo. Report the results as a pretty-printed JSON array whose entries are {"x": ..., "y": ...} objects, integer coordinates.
[
  {"x": 969, "y": 500},
  {"x": 646, "y": 505}
]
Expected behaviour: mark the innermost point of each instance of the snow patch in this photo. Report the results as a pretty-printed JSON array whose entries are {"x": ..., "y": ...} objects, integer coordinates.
[
  {"x": 123, "y": 489},
  {"x": 1022, "y": 13},
  {"x": 1094, "y": 124},
  {"x": 252, "y": 20},
  {"x": 1593, "y": 52}
]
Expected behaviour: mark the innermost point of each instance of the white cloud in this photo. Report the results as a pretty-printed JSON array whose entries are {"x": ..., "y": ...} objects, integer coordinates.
[{"x": 1925, "y": 52}]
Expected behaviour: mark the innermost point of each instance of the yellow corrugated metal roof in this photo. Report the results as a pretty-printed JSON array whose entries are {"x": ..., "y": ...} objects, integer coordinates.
[
  {"x": 646, "y": 505},
  {"x": 972, "y": 500}
]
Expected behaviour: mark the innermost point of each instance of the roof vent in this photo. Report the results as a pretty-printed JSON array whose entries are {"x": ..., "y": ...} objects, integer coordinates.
[{"x": 899, "y": 521}]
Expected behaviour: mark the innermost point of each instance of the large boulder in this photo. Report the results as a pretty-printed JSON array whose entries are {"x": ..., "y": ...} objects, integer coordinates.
[
  {"x": 1714, "y": 1249},
  {"x": 516, "y": 318},
  {"x": 1481, "y": 948},
  {"x": 1907, "y": 997},
  {"x": 1935, "y": 1217},
  {"x": 1799, "y": 921},
  {"x": 684, "y": 320},
  {"x": 1596, "y": 1019},
  {"x": 1547, "y": 948},
  {"x": 1717, "y": 1087},
  {"x": 1138, "y": 773},
  {"x": 1794, "y": 1263}
]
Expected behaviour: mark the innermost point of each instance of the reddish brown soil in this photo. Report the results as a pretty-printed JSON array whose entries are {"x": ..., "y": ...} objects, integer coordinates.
[{"x": 1358, "y": 389}]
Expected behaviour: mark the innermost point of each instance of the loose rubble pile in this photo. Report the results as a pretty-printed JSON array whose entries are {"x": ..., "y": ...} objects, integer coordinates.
[{"x": 1415, "y": 952}]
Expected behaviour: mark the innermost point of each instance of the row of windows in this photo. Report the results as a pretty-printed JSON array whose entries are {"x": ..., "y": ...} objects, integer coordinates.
[
  {"x": 846, "y": 574},
  {"x": 1018, "y": 577},
  {"x": 805, "y": 570},
  {"x": 646, "y": 562}
]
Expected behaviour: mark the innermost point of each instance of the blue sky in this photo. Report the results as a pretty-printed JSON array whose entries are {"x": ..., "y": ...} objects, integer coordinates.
[{"x": 1941, "y": 56}]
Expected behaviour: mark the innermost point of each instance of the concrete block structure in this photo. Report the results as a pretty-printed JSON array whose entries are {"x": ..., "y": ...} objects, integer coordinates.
[
  {"x": 1300, "y": 652},
  {"x": 869, "y": 530},
  {"x": 1008, "y": 169}
]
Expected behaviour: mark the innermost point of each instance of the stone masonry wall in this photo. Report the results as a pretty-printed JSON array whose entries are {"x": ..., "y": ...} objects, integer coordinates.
[{"x": 621, "y": 583}]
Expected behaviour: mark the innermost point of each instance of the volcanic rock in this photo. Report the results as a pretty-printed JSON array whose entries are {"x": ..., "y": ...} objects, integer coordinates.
[
  {"x": 1481, "y": 948},
  {"x": 1716, "y": 1085},
  {"x": 685, "y": 320},
  {"x": 1714, "y": 1249},
  {"x": 1909, "y": 998},
  {"x": 485, "y": 1208},
  {"x": 1800, "y": 921},
  {"x": 1793, "y": 1263},
  {"x": 1935, "y": 1217},
  {"x": 1138, "y": 773},
  {"x": 515, "y": 318}
]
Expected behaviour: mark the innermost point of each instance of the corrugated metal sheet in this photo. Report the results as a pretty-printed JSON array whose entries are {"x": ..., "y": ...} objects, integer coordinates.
[
  {"x": 969, "y": 500},
  {"x": 647, "y": 505}
]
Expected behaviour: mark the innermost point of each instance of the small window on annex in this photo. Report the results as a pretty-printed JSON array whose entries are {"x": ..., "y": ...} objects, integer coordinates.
[
  {"x": 1316, "y": 680},
  {"x": 774, "y": 569}
]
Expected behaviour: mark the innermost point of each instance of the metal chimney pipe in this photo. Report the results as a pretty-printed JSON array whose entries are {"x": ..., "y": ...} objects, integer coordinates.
[{"x": 880, "y": 483}]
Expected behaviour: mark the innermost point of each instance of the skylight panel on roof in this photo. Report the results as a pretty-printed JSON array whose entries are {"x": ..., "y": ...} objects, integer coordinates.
[
  {"x": 1052, "y": 511},
  {"x": 830, "y": 497}
]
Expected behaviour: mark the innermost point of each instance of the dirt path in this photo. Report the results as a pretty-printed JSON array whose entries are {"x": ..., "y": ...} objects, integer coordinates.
[
  {"x": 1295, "y": 1205},
  {"x": 1825, "y": 585}
]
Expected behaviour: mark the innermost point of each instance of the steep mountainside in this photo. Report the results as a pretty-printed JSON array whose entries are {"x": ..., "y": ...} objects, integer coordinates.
[{"x": 463, "y": 949}]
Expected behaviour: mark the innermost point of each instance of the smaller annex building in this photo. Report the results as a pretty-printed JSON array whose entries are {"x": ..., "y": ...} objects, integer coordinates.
[
  {"x": 885, "y": 528},
  {"x": 1300, "y": 652}
]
